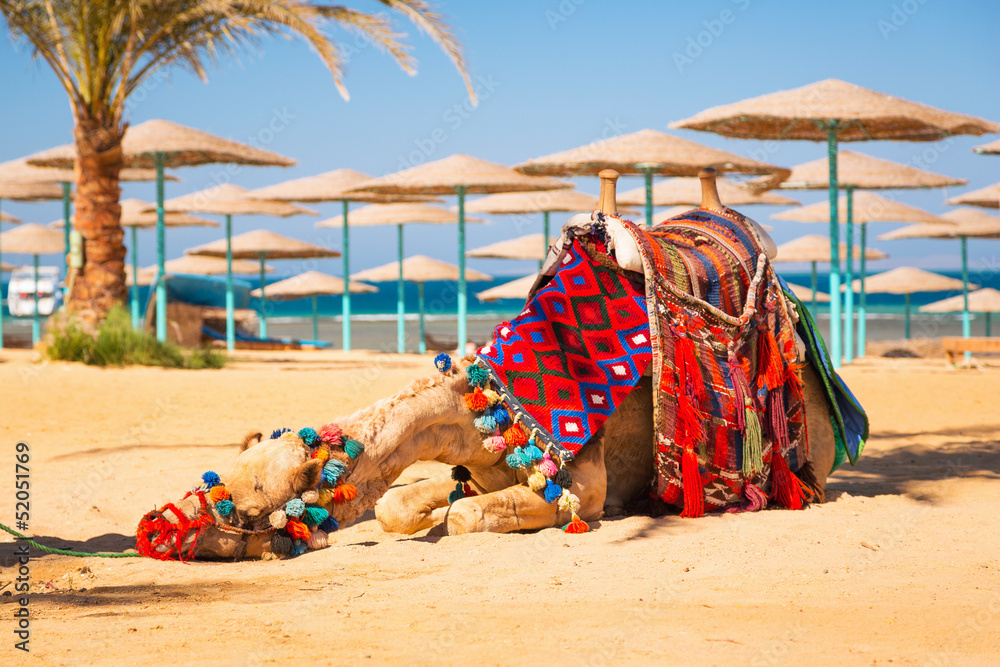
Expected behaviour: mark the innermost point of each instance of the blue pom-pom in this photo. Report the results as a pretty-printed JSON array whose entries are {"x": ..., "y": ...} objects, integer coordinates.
[
  {"x": 329, "y": 525},
  {"x": 353, "y": 448},
  {"x": 517, "y": 460},
  {"x": 477, "y": 375},
  {"x": 552, "y": 491},
  {"x": 314, "y": 515},
  {"x": 276, "y": 433},
  {"x": 295, "y": 507},
  {"x": 224, "y": 507},
  {"x": 485, "y": 424},
  {"x": 299, "y": 547},
  {"x": 442, "y": 362},
  {"x": 333, "y": 470},
  {"x": 309, "y": 436},
  {"x": 210, "y": 479},
  {"x": 533, "y": 453},
  {"x": 501, "y": 416}
]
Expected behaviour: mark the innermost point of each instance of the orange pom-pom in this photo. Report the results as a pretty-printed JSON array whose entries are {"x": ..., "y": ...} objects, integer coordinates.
[
  {"x": 515, "y": 437},
  {"x": 576, "y": 526},
  {"x": 321, "y": 454},
  {"x": 344, "y": 493},
  {"x": 477, "y": 400},
  {"x": 297, "y": 530},
  {"x": 218, "y": 493}
]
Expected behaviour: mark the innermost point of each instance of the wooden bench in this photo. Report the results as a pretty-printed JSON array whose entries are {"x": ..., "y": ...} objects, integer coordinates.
[{"x": 954, "y": 346}]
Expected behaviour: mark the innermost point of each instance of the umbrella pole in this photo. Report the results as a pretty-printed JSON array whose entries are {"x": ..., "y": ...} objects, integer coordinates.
[
  {"x": 400, "y": 295},
  {"x": 66, "y": 228},
  {"x": 420, "y": 300},
  {"x": 835, "y": 324},
  {"x": 230, "y": 298},
  {"x": 966, "y": 323},
  {"x": 315, "y": 317},
  {"x": 648, "y": 176},
  {"x": 545, "y": 239},
  {"x": 345, "y": 299},
  {"x": 134, "y": 250},
  {"x": 906, "y": 300},
  {"x": 263, "y": 301},
  {"x": 462, "y": 303},
  {"x": 815, "y": 286},
  {"x": 987, "y": 314},
  {"x": 862, "y": 309},
  {"x": 1, "y": 297},
  {"x": 161, "y": 285},
  {"x": 849, "y": 281},
  {"x": 35, "y": 321}
]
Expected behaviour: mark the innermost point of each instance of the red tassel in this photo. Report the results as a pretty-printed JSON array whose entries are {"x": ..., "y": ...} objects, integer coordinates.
[
  {"x": 785, "y": 487},
  {"x": 576, "y": 526},
  {"x": 694, "y": 492},
  {"x": 793, "y": 380},
  {"x": 720, "y": 457},
  {"x": 468, "y": 491},
  {"x": 770, "y": 364},
  {"x": 778, "y": 421},
  {"x": 689, "y": 431},
  {"x": 687, "y": 367}
]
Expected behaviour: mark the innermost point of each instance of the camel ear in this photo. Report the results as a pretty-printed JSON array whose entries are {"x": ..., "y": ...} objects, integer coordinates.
[
  {"x": 307, "y": 475},
  {"x": 250, "y": 439}
]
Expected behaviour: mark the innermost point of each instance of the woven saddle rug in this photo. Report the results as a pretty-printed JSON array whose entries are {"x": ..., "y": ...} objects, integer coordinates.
[{"x": 709, "y": 316}]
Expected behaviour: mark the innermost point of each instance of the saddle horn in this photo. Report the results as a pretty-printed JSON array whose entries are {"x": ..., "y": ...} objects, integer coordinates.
[
  {"x": 709, "y": 190},
  {"x": 607, "y": 201}
]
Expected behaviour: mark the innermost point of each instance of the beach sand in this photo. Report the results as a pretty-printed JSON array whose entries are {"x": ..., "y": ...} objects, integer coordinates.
[{"x": 902, "y": 565}]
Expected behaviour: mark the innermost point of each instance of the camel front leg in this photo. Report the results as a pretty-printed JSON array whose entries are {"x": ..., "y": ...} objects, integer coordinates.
[{"x": 408, "y": 509}]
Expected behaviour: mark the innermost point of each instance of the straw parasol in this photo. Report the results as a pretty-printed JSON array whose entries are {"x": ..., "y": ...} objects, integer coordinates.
[
  {"x": 992, "y": 148},
  {"x": 814, "y": 248},
  {"x": 197, "y": 265},
  {"x": 6, "y": 268},
  {"x": 907, "y": 280},
  {"x": 806, "y": 294},
  {"x": 420, "y": 269},
  {"x": 988, "y": 197},
  {"x": 335, "y": 186},
  {"x": 647, "y": 152},
  {"x": 834, "y": 111},
  {"x": 687, "y": 192},
  {"x": 159, "y": 143},
  {"x": 260, "y": 244},
  {"x": 311, "y": 284},
  {"x": 515, "y": 289},
  {"x": 398, "y": 214},
  {"x": 532, "y": 246},
  {"x": 9, "y": 218},
  {"x": 229, "y": 200},
  {"x": 33, "y": 239},
  {"x": 460, "y": 175},
  {"x": 986, "y": 301}
]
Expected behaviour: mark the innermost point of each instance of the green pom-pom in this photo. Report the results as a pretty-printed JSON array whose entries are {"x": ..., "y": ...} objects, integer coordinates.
[
  {"x": 309, "y": 436},
  {"x": 353, "y": 448},
  {"x": 477, "y": 375},
  {"x": 457, "y": 494},
  {"x": 314, "y": 515}
]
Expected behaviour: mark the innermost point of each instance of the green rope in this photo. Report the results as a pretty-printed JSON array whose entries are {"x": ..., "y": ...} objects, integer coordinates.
[{"x": 67, "y": 552}]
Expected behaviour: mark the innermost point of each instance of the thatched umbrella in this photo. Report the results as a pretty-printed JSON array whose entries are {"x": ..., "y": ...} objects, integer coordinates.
[
  {"x": 814, "y": 248},
  {"x": 834, "y": 111},
  {"x": 229, "y": 200},
  {"x": 515, "y": 289},
  {"x": 687, "y": 191},
  {"x": 985, "y": 301},
  {"x": 33, "y": 239},
  {"x": 907, "y": 280},
  {"x": 988, "y": 197},
  {"x": 992, "y": 148},
  {"x": 160, "y": 143},
  {"x": 261, "y": 245},
  {"x": 647, "y": 152},
  {"x": 9, "y": 218},
  {"x": 198, "y": 265},
  {"x": 963, "y": 223},
  {"x": 420, "y": 269},
  {"x": 6, "y": 268},
  {"x": 311, "y": 284},
  {"x": 459, "y": 175},
  {"x": 336, "y": 186},
  {"x": 398, "y": 214},
  {"x": 857, "y": 171},
  {"x": 806, "y": 294},
  {"x": 531, "y": 246}
]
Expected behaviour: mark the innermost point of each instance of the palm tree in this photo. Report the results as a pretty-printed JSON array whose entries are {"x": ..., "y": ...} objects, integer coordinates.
[{"x": 102, "y": 50}]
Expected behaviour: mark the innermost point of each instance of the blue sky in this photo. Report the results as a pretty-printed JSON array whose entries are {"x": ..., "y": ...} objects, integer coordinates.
[{"x": 552, "y": 75}]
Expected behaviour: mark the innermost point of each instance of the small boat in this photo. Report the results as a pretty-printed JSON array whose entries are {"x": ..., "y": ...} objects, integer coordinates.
[{"x": 21, "y": 290}]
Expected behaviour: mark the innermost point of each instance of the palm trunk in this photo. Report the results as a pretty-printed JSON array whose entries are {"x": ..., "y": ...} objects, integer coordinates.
[{"x": 101, "y": 283}]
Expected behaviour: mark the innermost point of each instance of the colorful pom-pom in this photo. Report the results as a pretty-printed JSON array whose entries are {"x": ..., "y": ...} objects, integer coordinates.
[
  {"x": 569, "y": 502},
  {"x": 210, "y": 479},
  {"x": 310, "y": 497},
  {"x": 533, "y": 453},
  {"x": 291, "y": 437},
  {"x": 477, "y": 375},
  {"x": 563, "y": 478},
  {"x": 515, "y": 437},
  {"x": 576, "y": 526},
  {"x": 321, "y": 453},
  {"x": 457, "y": 494},
  {"x": 294, "y": 508},
  {"x": 442, "y": 362},
  {"x": 537, "y": 481},
  {"x": 517, "y": 460},
  {"x": 547, "y": 466},
  {"x": 468, "y": 490},
  {"x": 353, "y": 448},
  {"x": 552, "y": 491},
  {"x": 344, "y": 493},
  {"x": 461, "y": 474},
  {"x": 485, "y": 424},
  {"x": 309, "y": 436},
  {"x": 299, "y": 547},
  {"x": 297, "y": 530},
  {"x": 281, "y": 545},
  {"x": 495, "y": 444},
  {"x": 476, "y": 401},
  {"x": 218, "y": 493},
  {"x": 318, "y": 540},
  {"x": 329, "y": 526},
  {"x": 314, "y": 516},
  {"x": 225, "y": 507},
  {"x": 277, "y": 519},
  {"x": 333, "y": 470},
  {"x": 492, "y": 397},
  {"x": 325, "y": 498},
  {"x": 330, "y": 434},
  {"x": 501, "y": 416},
  {"x": 278, "y": 432}
]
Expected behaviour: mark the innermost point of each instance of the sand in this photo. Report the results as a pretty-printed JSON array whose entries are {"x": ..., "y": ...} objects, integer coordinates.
[{"x": 902, "y": 565}]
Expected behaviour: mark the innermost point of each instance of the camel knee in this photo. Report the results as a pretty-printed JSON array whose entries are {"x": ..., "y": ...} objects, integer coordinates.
[
  {"x": 394, "y": 516},
  {"x": 465, "y": 516}
]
